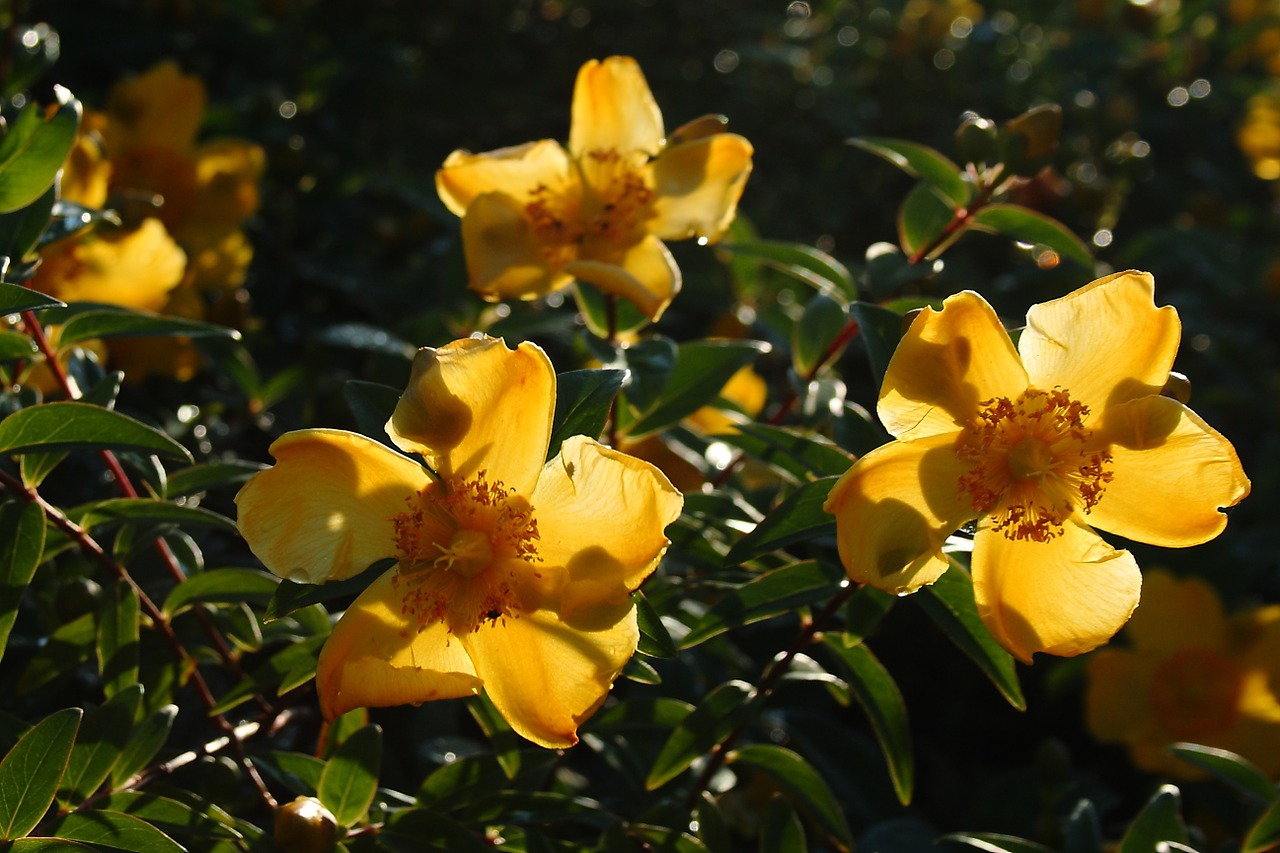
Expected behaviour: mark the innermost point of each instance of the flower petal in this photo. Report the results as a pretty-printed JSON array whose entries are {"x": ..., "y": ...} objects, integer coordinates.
[
  {"x": 137, "y": 268},
  {"x": 1172, "y": 473},
  {"x": 162, "y": 107},
  {"x": 1104, "y": 343},
  {"x": 375, "y": 657},
  {"x": 1175, "y": 614},
  {"x": 613, "y": 109},
  {"x": 697, "y": 186},
  {"x": 601, "y": 515},
  {"x": 475, "y": 405},
  {"x": 947, "y": 363},
  {"x": 646, "y": 274},
  {"x": 504, "y": 258},
  {"x": 1063, "y": 597},
  {"x": 513, "y": 171},
  {"x": 895, "y": 508},
  {"x": 546, "y": 675},
  {"x": 323, "y": 511}
]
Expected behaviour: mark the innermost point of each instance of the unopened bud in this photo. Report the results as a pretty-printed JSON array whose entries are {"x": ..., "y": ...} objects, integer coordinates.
[
  {"x": 977, "y": 140},
  {"x": 305, "y": 826},
  {"x": 1027, "y": 142},
  {"x": 1177, "y": 386}
]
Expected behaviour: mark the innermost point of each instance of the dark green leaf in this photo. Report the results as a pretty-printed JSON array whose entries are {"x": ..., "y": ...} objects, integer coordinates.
[
  {"x": 284, "y": 664},
  {"x": 796, "y": 778},
  {"x": 639, "y": 670},
  {"x": 207, "y": 475},
  {"x": 118, "y": 624},
  {"x": 583, "y": 401},
  {"x": 823, "y": 321},
  {"x": 66, "y": 648},
  {"x": 649, "y": 364},
  {"x": 48, "y": 845},
  {"x": 664, "y": 838},
  {"x": 221, "y": 585},
  {"x": 922, "y": 220},
  {"x": 68, "y": 425},
  {"x": 461, "y": 782},
  {"x": 413, "y": 830},
  {"x": 190, "y": 817},
  {"x": 655, "y": 641},
  {"x": 949, "y": 603},
  {"x": 1235, "y": 770},
  {"x": 350, "y": 777},
  {"x": 144, "y": 742},
  {"x": 33, "y": 150},
  {"x": 1030, "y": 226},
  {"x": 1159, "y": 820},
  {"x": 792, "y": 452},
  {"x": 22, "y": 531},
  {"x": 15, "y": 345},
  {"x": 372, "y": 404},
  {"x": 878, "y": 695},
  {"x": 656, "y": 712},
  {"x": 863, "y": 613},
  {"x": 804, "y": 263},
  {"x": 1264, "y": 834},
  {"x": 880, "y": 329},
  {"x": 300, "y": 772},
  {"x": 771, "y": 594},
  {"x": 30, "y": 773},
  {"x": 14, "y": 298},
  {"x": 708, "y": 723},
  {"x": 701, "y": 370},
  {"x": 935, "y": 169},
  {"x": 99, "y": 744},
  {"x": 113, "y": 322},
  {"x": 147, "y": 511},
  {"x": 20, "y": 230},
  {"x": 798, "y": 518},
  {"x": 993, "y": 842},
  {"x": 503, "y": 739},
  {"x": 36, "y": 466},
  {"x": 116, "y": 830},
  {"x": 1083, "y": 833},
  {"x": 361, "y": 336},
  {"x": 290, "y": 596}
]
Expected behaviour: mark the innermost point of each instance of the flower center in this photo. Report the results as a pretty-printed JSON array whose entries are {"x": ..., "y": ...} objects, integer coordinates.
[
  {"x": 1032, "y": 465},
  {"x": 462, "y": 545},
  {"x": 604, "y": 217},
  {"x": 1196, "y": 693}
]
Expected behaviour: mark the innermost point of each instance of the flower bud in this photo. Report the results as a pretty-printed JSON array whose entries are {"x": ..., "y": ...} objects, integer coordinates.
[
  {"x": 1027, "y": 142},
  {"x": 1177, "y": 386},
  {"x": 305, "y": 826},
  {"x": 977, "y": 140}
]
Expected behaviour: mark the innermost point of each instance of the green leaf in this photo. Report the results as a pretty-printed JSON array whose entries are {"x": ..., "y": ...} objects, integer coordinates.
[
  {"x": 993, "y": 842},
  {"x": 648, "y": 712},
  {"x": 15, "y": 298},
  {"x": 350, "y": 777},
  {"x": 1030, "y": 226},
  {"x": 707, "y": 725},
  {"x": 372, "y": 404},
  {"x": 798, "y": 518},
  {"x": 116, "y": 830},
  {"x": 583, "y": 401},
  {"x": 649, "y": 363},
  {"x": 923, "y": 162},
  {"x": 701, "y": 369},
  {"x": 503, "y": 739},
  {"x": 187, "y": 817},
  {"x": 1264, "y": 834},
  {"x": 221, "y": 585},
  {"x": 823, "y": 321},
  {"x": 113, "y": 322},
  {"x": 771, "y": 594},
  {"x": 412, "y": 830},
  {"x": 207, "y": 475},
  {"x": 1159, "y": 820},
  {"x": 922, "y": 219},
  {"x": 48, "y": 845},
  {"x": 949, "y": 603},
  {"x": 878, "y": 695},
  {"x": 796, "y": 454},
  {"x": 655, "y": 641},
  {"x": 65, "y": 649},
  {"x": 290, "y": 596},
  {"x": 70, "y": 425},
  {"x": 149, "y": 511},
  {"x": 118, "y": 625},
  {"x": 1235, "y": 770},
  {"x": 880, "y": 330},
  {"x": 800, "y": 781},
  {"x": 99, "y": 745},
  {"x": 863, "y": 613},
  {"x": 144, "y": 742},
  {"x": 1083, "y": 832},
  {"x": 20, "y": 230},
  {"x": 294, "y": 663},
  {"x": 30, "y": 773},
  {"x": 33, "y": 150},
  {"x": 15, "y": 345},
  {"x": 804, "y": 263},
  {"x": 22, "y": 531}
]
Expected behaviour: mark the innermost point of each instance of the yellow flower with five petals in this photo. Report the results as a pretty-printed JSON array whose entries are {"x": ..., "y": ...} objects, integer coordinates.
[
  {"x": 537, "y": 216},
  {"x": 1039, "y": 445},
  {"x": 513, "y": 575}
]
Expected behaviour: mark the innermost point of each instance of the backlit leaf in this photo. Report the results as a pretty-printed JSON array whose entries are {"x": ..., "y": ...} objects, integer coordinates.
[
  {"x": 114, "y": 322},
  {"x": 33, "y": 150},
  {"x": 771, "y": 594},
  {"x": 930, "y": 166},
  {"x": 116, "y": 830},
  {"x": 583, "y": 401},
  {"x": 221, "y": 585},
  {"x": 99, "y": 744},
  {"x": 798, "y": 518},
  {"x": 14, "y": 298},
  {"x": 350, "y": 777},
  {"x": 922, "y": 220},
  {"x": 1235, "y": 770},
  {"x": 804, "y": 263},
  {"x": 797, "y": 778},
  {"x": 30, "y": 773},
  {"x": 67, "y": 425},
  {"x": 707, "y": 724},
  {"x": 1160, "y": 820},
  {"x": 1030, "y": 226},
  {"x": 22, "y": 531},
  {"x": 701, "y": 370}
]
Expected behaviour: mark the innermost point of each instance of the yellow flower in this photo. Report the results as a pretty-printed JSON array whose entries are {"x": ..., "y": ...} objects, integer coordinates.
[
  {"x": 1039, "y": 445},
  {"x": 1191, "y": 674},
  {"x": 513, "y": 576},
  {"x": 136, "y": 268},
  {"x": 535, "y": 216}
]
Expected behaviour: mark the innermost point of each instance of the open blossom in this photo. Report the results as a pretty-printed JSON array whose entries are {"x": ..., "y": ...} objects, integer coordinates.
[
  {"x": 1189, "y": 674},
  {"x": 537, "y": 216},
  {"x": 1038, "y": 445},
  {"x": 513, "y": 573}
]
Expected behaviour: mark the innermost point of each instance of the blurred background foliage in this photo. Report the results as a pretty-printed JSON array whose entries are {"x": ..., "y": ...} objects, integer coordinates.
[{"x": 1168, "y": 162}]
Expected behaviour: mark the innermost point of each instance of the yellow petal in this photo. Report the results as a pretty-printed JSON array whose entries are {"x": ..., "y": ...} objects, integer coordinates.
[
  {"x": 546, "y": 676},
  {"x": 323, "y": 511},
  {"x": 504, "y": 258},
  {"x": 646, "y": 274},
  {"x": 1177, "y": 613},
  {"x": 162, "y": 107},
  {"x": 227, "y": 172},
  {"x": 515, "y": 171},
  {"x": 475, "y": 405},
  {"x": 613, "y": 109},
  {"x": 947, "y": 363},
  {"x": 135, "y": 268},
  {"x": 375, "y": 657},
  {"x": 1104, "y": 343},
  {"x": 1172, "y": 473},
  {"x": 601, "y": 515},
  {"x": 697, "y": 186},
  {"x": 894, "y": 509},
  {"x": 1063, "y": 597},
  {"x": 86, "y": 174}
]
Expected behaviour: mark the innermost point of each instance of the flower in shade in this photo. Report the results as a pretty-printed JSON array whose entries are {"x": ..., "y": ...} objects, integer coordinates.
[
  {"x": 513, "y": 573},
  {"x": 537, "y": 216},
  {"x": 1038, "y": 445},
  {"x": 1190, "y": 674}
]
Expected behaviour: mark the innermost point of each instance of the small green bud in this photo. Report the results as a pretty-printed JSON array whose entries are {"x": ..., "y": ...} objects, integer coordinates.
[
  {"x": 1028, "y": 142},
  {"x": 305, "y": 826},
  {"x": 977, "y": 140}
]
